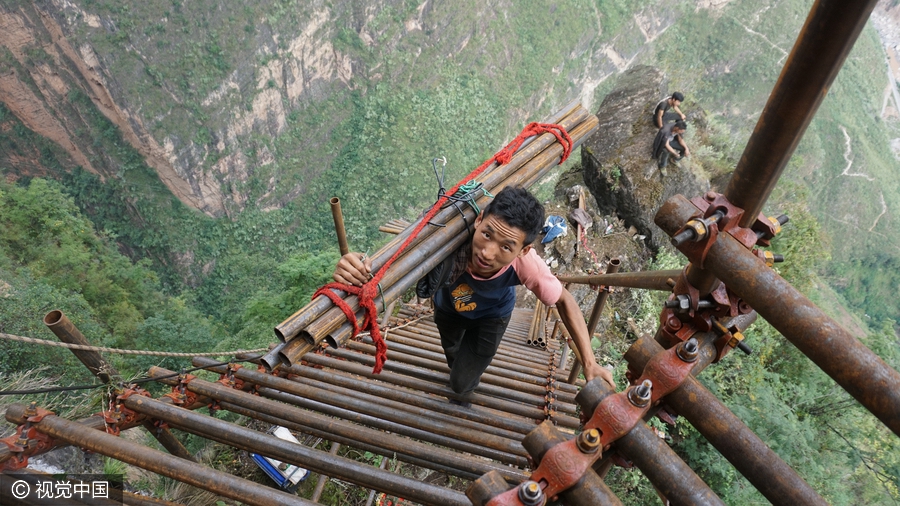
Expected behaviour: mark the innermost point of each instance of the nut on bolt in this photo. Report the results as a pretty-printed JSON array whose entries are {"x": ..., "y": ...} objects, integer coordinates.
[
  {"x": 531, "y": 494},
  {"x": 688, "y": 350},
  {"x": 639, "y": 395},
  {"x": 588, "y": 441}
]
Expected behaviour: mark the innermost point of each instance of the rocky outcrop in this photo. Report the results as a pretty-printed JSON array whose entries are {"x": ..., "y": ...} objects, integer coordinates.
[{"x": 616, "y": 162}]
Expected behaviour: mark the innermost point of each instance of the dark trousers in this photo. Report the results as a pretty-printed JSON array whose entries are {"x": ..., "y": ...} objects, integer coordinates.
[
  {"x": 469, "y": 346},
  {"x": 664, "y": 156}
]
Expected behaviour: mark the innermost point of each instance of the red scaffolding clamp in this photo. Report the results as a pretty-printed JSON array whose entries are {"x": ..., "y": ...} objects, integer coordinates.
[{"x": 27, "y": 440}]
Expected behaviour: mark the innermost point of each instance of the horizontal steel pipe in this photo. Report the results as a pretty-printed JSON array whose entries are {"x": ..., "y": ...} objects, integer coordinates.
[
  {"x": 854, "y": 367},
  {"x": 164, "y": 464},
  {"x": 774, "y": 479},
  {"x": 526, "y": 404},
  {"x": 500, "y": 366},
  {"x": 492, "y": 376},
  {"x": 427, "y": 428},
  {"x": 648, "y": 280},
  {"x": 386, "y": 388},
  {"x": 289, "y": 328},
  {"x": 297, "y": 454},
  {"x": 385, "y": 440},
  {"x": 350, "y": 442},
  {"x": 418, "y": 256},
  {"x": 829, "y": 33},
  {"x": 438, "y": 389},
  {"x": 414, "y": 404},
  {"x": 659, "y": 463}
]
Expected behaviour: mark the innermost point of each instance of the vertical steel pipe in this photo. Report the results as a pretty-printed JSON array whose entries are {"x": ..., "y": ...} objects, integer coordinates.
[
  {"x": 762, "y": 467},
  {"x": 858, "y": 370},
  {"x": 168, "y": 441},
  {"x": 339, "y": 229},
  {"x": 323, "y": 478},
  {"x": 602, "y": 295},
  {"x": 829, "y": 33},
  {"x": 67, "y": 332}
]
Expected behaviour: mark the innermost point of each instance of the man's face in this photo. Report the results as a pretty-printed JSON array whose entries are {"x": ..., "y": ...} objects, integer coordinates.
[
  {"x": 674, "y": 102},
  {"x": 495, "y": 245}
]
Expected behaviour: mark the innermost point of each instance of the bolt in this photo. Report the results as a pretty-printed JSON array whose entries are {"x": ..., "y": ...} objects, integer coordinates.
[
  {"x": 640, "y": 395},
  {"x": 588, "y": 441},
  {"x": 31, "y": 410},
  {"x": 710, "y": 196},
  {"x": 531, "y": 494},
  {"x": 688, "y": 350},
  {"x": 673, "y": 324}
]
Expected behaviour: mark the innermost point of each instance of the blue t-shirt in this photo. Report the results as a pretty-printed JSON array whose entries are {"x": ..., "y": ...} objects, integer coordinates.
[{"x": 473, "y": 297}]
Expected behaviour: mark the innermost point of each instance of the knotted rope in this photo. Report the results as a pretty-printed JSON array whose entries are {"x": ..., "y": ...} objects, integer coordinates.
[{"x": 367, "y": 293}]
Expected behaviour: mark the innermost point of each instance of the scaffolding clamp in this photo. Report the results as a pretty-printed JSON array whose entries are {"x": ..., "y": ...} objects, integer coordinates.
[
  {"x": 617, "y": 414},
  {"x": 27, "y": 440}
]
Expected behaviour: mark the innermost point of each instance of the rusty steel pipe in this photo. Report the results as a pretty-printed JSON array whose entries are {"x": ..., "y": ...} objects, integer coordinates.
[
  {"x": 289, "y": 328},
  {"x": 339, "y": 229},
  {"x": 414, "y": 404},
  {"x": 774, "y": 479},
  {"x": 299, "y": 455},
  {"x": 438, "y": 365},
  {"x": 505, "y": 427},
  {"x": 648, "y": 280},
  {"x": 437, "y": 389},
  {"x": 590, "y": 490},
  {"x": 67, "y": 332},
  {"x": 499, "y": 366},
  {"x": 168, "y": 440},
  {"x": 602, "y": 295},
  {"x": 390, "y": 442},
  {"x": 829, "y": 33},
  {"x": 323, "y": 478},
  {"x": 418, "y": 256},
  {"x": 858, "y": 370},
  {"x": 383, "y": 415},
  {"x": 517, "y": 403},
  {"x": 659, "y": 463},
  {"x": 164, "y": 464},
  {"x": 359, "y": 445}
]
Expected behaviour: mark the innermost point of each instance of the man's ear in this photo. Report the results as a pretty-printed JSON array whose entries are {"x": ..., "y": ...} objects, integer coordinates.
[
  {"x": 479, "y": 218},
  {"x": 524, "y": 251}
]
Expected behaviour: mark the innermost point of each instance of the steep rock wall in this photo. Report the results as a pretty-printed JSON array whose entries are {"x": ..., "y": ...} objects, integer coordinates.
[{"x": 616, "y": 162}]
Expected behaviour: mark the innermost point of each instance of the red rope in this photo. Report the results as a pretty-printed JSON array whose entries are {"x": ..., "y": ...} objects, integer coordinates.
[{"x": 369, "y": 291}]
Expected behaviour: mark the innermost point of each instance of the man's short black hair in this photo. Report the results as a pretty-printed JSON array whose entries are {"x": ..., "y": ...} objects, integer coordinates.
[
  {"x": 518, "y": 208},
  {"x": 678, "y": 96},
  {"x": 681, "y": 124}
]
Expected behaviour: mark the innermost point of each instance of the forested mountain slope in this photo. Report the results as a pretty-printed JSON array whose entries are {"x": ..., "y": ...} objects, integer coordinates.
[{"x": 203, "y": 141}]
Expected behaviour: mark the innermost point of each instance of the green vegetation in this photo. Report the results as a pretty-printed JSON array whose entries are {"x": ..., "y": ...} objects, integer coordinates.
[{"x": 134, "y": 267}]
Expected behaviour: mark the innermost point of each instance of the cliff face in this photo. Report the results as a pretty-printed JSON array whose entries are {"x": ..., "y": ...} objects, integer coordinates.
[
  {"x": 215, "y": 99},
  {"x": 618, "y": 168}
]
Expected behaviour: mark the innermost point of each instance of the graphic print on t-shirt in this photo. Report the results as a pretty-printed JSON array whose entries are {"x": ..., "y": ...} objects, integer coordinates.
[{"x": 462, "y": 294}]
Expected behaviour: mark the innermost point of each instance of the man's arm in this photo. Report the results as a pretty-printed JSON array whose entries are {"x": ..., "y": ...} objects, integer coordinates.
[
  {"x": 573, "y": 319},
  {"x": 657, "y": 119},
  {"x": 679, "y": 112},
  {"x": 687, "y": 152}
]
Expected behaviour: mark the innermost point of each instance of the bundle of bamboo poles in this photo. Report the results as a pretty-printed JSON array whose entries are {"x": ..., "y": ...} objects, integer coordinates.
[
  {"x": 395, "y": 226},
  {"x": 322, "y": 321}
]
